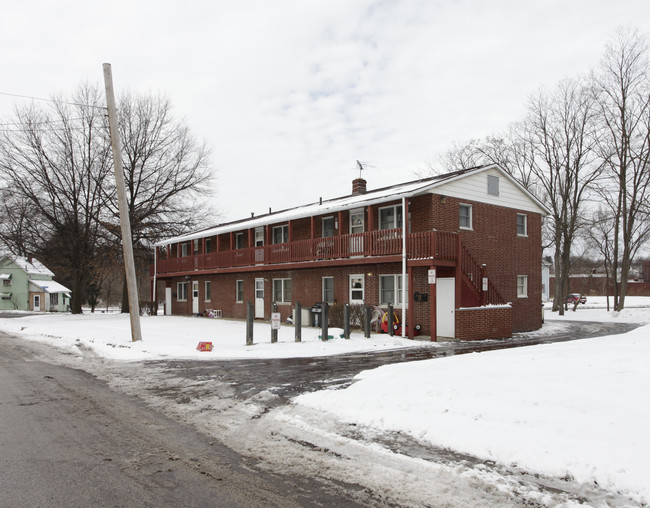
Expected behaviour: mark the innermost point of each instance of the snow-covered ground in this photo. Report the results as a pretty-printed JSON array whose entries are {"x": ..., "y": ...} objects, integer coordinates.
[{"x": 571, "y": 410}]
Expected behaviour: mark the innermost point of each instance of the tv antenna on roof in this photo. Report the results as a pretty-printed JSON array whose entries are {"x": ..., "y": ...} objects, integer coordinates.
[{"x": 361, "y": 168}]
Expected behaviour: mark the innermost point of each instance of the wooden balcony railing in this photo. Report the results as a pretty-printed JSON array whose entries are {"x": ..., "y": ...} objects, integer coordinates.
[{"x": 426, "y": 245}]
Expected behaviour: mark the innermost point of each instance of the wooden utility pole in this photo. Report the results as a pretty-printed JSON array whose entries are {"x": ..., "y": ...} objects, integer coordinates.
[{"x": 125, "y": 222}]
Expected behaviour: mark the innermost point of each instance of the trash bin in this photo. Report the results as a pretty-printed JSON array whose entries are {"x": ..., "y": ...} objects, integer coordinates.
[{"x": 316, "y": 315}]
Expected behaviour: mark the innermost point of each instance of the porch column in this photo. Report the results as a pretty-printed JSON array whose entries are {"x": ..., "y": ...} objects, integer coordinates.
[
  {"x": 434, "y": 310},
  {"x": 410, "y": 303},
  {"x": 459, "y": 271}
]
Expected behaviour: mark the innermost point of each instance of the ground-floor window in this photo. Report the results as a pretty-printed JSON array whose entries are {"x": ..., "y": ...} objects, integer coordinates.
[
  {"x": 356, "y": 289},
  {"x": 390, "y": 290},
  {"x": 208, "y": 291},
  {"x": 328, "y": 290},
  {"x": 239, "y": 291},
  {"x": 282, "y": 290},
  {"x": 522, "y": 286},
  {"x": 181, "y": 291},
  {"x": 54, "y": 298}
]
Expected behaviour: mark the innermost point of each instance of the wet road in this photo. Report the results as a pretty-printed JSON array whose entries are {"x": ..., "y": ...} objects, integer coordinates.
[{"x": 288, "y": 377}]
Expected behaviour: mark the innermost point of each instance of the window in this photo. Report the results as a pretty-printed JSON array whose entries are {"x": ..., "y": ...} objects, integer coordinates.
[
  {"x": 493, "y": 185},
  {"x": 259, "y": 237},
  {"x": 390, "y": 217},
  {"x": 6, "y": 296},
  {"x": 208, "y": 244},
  {"x": 6, "y": 282},
  {"x": 328, "y": 290},
  {"x": 328, "y": 227},
  {"x": 522, "y": 286},
  {"x": 281, "y": 234},
  {"x": 522, "y": 225},
  {"x": 356, "y": 289},
  {"x": 54, "y": 298},
  {"x": 184, "y": 249},
  {"x": 239, "y": 241},
  {"x": 208, "y": 291},
  {"x": 465, "y": 217},
  {"x": 282, "y": 290},
  {"x": 181, "y": 291},
  {"x": 390, "y": 290},
  {"x": 196, "y": 246},
  {"x": 239, "y": 291}
]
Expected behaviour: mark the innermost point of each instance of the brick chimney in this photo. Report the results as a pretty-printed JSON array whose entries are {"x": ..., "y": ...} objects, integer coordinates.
[{"x": 358, "y": 186}]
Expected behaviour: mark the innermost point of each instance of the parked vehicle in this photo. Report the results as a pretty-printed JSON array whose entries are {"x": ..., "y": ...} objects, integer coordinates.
[{"x": 575, "y": 297}]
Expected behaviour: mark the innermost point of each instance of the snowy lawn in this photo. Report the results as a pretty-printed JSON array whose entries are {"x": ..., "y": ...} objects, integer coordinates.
[
  {"x": 577, "y": 409},
  {"x": 109, "y": 335}
]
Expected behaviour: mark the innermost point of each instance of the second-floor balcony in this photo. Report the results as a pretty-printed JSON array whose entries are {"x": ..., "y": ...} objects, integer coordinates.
[{"x": 384, "y": 243}]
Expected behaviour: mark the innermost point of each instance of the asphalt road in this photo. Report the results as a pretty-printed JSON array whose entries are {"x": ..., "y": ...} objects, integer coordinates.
[{"x": 67, "y": 439}]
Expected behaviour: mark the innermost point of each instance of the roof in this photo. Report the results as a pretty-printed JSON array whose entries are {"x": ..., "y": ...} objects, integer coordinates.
[
  {"x": 50, "y": 286},
  {"x": 31, "y": 266},
  {"x": 372, "y": 197}
]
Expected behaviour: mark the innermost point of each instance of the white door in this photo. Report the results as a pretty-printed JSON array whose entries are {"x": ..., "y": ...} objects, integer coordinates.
[
  {"x": 37, "y": 303},
  {"x": 445, "y": 306},
  {"x": 195, "y": 297},
  {"x": 259, "y": 298},
  {"x": 356, "y": 229},
  {"x": 168, "y": 301}
]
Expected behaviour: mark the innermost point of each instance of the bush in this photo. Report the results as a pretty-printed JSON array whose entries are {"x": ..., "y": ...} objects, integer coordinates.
[
  {"x": 148, "y": 308},
  {"x": 336, "y": 316}
]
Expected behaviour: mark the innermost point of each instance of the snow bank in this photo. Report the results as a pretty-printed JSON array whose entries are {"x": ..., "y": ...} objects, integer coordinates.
[
  {"x": 575, "y": 409},
  {"x": 109, "y": 335}
]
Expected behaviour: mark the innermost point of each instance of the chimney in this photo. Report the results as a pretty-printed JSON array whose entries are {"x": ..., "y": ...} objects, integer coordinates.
[{"x": 358, "y": 186}]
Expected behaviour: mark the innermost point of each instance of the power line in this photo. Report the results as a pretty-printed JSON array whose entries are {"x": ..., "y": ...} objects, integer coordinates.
[{"x": 55, "y": 101}]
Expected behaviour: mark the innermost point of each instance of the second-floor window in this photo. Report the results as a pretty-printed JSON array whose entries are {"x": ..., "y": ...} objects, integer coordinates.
[
  {"x": 328, "y": 227},
  {"x": 522, "y": 226},
  {"x": 281, "y": 234},
  {"x": 239, "y": 241},
  {"x": 184, "y": 250},
  {"x": 465, "y": 214},
  {"x": 390, "y": 217}
]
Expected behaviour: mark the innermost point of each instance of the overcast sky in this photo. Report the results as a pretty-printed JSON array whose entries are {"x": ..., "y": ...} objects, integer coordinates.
[{"x": 289, "y": 94}]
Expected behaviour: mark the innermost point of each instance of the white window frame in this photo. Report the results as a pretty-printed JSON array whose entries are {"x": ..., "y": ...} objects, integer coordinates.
[
  {"x": 471, "y": 216},
  {"x": 285, "y": 293},
  {"x": 525, "y": 233},
  {"x": 324, "y": 292},
  {"x": 397, "y": 222},
  {"x": 362, "y": 289},
  {"x": 239, "y": 291},
  {"x": 195, "y": 246},
  {"x": 397, "y": 289},
  {"x": 522, "y": 286},
  {"x": 184, "y": 249},
  {"x": 327, "y": 219},
  {"x": 239, "y": 241},
  {"x": 181, "y": 291},
  {"x": 207, "y": 291},
  {"x": 284, "y": 234},
  {"x": 6, "y": 283}
]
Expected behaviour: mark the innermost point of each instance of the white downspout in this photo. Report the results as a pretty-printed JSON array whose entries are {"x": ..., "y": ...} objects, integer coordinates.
[
  {"x": 155, "y": 272},
  {"x": 404, "y": 221}
]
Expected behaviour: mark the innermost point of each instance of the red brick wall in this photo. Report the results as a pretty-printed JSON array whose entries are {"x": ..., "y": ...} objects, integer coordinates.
[{"x": 480, "y": 323}]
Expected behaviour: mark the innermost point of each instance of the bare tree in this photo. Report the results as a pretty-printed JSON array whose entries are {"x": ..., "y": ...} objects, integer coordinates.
[
  {"x": 623, "y": 94},
  {"x": 561, "y": 129},
  {"x": 167, "y": 173},
  {"x": 55, "y": 161}
]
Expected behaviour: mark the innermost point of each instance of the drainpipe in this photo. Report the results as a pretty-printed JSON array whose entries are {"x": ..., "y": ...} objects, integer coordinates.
[
  {"x": 404, "y": 220},
  {"x": 155, "y": 271}
]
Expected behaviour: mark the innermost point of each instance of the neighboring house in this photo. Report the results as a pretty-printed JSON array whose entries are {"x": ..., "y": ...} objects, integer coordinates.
[
  {"x": 471, "y": 260},
  {"x": 27, "y": 285}
]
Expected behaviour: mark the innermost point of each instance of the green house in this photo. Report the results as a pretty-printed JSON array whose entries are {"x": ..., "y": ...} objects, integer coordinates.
[{"x": 27, "y": 285}]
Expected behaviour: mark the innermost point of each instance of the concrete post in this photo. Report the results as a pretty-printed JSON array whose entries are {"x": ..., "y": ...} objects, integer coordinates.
[
  {"x": 250, "y": 314},
  {"x": 325, "y": 324},
  {"x": 346, "y": 320},
  {"x": 297, "y": 321},
  {"x": 367, "y": 317},
  {"x": 274, "y": 332},
  {"x": 391, "y": 331}
]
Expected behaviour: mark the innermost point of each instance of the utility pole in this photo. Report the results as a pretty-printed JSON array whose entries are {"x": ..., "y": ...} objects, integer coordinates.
[{"x": 125, "y": 223}]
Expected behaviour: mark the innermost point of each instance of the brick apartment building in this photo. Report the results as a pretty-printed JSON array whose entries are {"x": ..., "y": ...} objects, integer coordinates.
[{"x": 477, "y": 231}]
